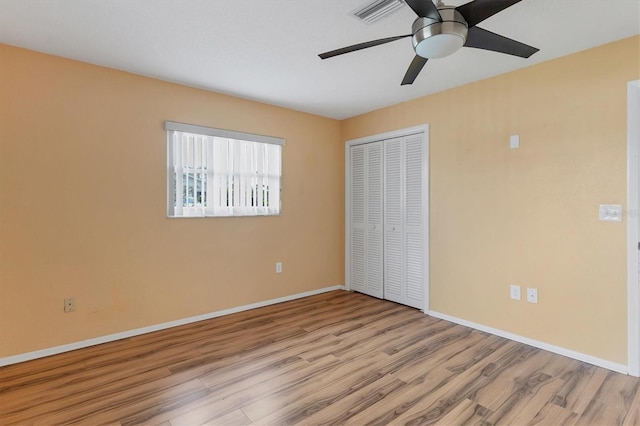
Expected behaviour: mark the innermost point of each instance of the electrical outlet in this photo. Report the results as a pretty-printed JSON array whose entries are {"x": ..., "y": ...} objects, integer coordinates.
[
  {"x": 515, "y": 292},
  {"x": 69, "y": 304},
  {"x": 532, "y": 295},
  {"x": 278, "y": 267},
  {"x": 610, "y": 212}
]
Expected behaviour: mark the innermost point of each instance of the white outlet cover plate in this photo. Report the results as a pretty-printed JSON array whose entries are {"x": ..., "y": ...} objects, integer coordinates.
[
  {"x": 532, "y": 295},
  {"x": 610, "y": 212}
]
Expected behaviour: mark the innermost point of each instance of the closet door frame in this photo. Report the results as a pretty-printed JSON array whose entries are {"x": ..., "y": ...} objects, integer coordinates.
[{"x": 424, "y": 129}]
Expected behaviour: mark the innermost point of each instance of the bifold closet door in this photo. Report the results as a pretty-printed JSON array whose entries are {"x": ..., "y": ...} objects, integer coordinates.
[
  {"x": 404, "y": 217},
  {"x": 366, "y": 251}
]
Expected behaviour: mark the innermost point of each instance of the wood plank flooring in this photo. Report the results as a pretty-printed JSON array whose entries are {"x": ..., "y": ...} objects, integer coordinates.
[{"x": 334, "y": 358}]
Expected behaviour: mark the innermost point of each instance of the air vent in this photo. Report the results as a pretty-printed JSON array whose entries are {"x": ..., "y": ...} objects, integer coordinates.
[{"x": 376, "y": 10}]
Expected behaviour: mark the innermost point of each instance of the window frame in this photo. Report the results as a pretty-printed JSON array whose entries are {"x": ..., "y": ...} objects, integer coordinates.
[{"x": 236, "y": 141}]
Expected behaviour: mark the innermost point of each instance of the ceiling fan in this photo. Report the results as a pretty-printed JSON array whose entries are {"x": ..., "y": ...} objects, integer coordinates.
[{"x": 441, "y": 30}]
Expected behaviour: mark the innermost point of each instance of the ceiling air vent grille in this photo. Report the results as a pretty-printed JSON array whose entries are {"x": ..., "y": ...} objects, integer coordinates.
[{"x": 376, "y": 10}]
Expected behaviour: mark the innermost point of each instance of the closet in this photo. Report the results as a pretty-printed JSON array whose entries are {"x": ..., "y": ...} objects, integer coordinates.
[{"x": 387, "y": 217}]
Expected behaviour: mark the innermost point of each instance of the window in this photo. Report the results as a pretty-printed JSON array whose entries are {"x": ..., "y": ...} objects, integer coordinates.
[{"x": 214, "y": 172}]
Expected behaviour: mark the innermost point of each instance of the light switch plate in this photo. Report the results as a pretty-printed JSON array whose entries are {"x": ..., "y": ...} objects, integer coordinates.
[
  {"x": 514, "y": 141},
  {"x": 515, "y": 292},
  {"x": 610, "y": 212},
  {"x": 532, "y": 295}
]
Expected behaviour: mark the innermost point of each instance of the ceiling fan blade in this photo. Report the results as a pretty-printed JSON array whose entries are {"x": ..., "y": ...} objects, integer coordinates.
[
  {"x": 414, "y": 69},
  {"x": 425, "y": 9},
  {"x": 482, "y": 39},
  {"x": 479, "y": 10},
  {"x": 361, "y": 46}
]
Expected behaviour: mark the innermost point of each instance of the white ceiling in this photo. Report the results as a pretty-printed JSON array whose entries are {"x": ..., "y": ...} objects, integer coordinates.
[{"x": 266, "y": 50}]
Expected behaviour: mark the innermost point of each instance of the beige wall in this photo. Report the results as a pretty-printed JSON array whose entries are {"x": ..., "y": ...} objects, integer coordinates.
[
  {"x": 82, "y": 201},
  {"x": 82, "y": 205},
  {"x": 530, "y": 216}
]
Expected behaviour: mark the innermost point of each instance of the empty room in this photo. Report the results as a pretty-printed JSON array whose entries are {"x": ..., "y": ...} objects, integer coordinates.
[{"x": 274, "y": 212}]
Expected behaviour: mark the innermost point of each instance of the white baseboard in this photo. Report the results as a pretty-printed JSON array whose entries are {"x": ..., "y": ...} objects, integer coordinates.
[
  {"x": 620, "y": 368},
  {"x": 138, "y": 331}
]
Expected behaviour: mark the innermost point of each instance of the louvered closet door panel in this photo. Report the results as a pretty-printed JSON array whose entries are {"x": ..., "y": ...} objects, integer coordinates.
[
  {"x": 414, "y": 277},
  {"x": 415, "y": 262},
  {"x": 387, "y": 214},
  {"x": 357, "y": 276},
  {"x": 358, "y": 249},
  {"x": 374, "y": 198},
  {"x": 393, "y": 215}
]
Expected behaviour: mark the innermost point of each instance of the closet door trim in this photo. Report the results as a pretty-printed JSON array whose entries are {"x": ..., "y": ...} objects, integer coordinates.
[{"x": 424, "y": 129}]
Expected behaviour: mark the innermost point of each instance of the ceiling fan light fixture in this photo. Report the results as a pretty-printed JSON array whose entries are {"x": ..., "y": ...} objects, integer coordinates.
[
  {"x": 434, "y": 39},
  {"x": 438, "y": 45}
]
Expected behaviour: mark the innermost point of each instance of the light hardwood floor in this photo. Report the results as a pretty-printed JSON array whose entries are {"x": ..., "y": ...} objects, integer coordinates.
[{"x": 335, "y": 358}]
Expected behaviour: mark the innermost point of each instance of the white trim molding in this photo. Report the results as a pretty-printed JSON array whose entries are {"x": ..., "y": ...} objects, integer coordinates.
[
  {"x": 222, "y": 133},
  {"x": 389, "y": 135},
  {"x": 620, "y": 368},
  {"x": 633, "y": 226},
  {"x": 144, "y": 330}
]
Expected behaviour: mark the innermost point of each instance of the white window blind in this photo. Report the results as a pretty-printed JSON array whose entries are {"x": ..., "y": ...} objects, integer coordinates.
[{"x": 215, "y": 172}]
